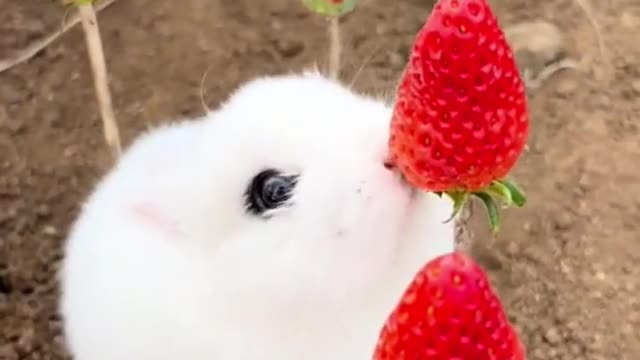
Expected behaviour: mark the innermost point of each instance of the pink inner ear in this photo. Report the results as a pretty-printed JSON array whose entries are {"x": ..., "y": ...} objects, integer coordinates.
[{"x": 153, "y": 217}]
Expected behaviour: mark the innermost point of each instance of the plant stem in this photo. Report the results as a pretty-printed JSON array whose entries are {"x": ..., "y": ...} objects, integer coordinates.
[
  {"x": 98, "y": 65},
  {"x": 335, "y": 47}
]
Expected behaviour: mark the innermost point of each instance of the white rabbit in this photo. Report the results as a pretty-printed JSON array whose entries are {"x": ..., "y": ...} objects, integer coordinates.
[{"x": 270, "y": 229}]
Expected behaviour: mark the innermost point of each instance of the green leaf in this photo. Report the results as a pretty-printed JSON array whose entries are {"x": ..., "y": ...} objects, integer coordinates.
[
  {"x": 516, "y": 193},
  {"x": 331, "y": 7},
  {"x": 492, "y": 211},
  {"x": 82, "y": 2},
  {"x": 501, "y": 191},
  {"x": 459, "y": 200}
]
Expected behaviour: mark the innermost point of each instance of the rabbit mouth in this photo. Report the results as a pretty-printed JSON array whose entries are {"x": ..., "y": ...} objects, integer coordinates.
[
  {"x": 390, "y": 165},
  {"x": 411, "y": 190}
]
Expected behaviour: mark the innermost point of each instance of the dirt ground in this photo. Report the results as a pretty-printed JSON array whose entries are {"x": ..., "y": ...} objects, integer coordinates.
[{"x": 566, "y": 265}]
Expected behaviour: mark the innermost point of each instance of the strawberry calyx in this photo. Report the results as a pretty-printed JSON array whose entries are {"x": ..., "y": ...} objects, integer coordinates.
[{"x": 505, "y": 190}]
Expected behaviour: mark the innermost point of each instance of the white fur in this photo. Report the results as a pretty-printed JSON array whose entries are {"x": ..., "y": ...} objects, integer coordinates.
[{"x": 164, "y": 263}]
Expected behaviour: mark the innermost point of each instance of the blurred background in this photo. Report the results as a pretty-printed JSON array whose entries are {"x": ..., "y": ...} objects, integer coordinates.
[{"x": 566, "y": 265}]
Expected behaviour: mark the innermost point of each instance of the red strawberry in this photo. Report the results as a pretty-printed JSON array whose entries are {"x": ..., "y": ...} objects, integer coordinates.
[
  {"x": 461, "y": 121},
  {"x": 449, "y": 312}
]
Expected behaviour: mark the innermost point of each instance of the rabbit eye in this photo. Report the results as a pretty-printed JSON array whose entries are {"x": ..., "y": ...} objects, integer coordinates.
[{"x": 269, "y": 190}]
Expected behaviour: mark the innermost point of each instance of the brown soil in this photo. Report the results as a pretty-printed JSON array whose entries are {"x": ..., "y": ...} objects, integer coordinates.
[{"x": 566, "y": 265}]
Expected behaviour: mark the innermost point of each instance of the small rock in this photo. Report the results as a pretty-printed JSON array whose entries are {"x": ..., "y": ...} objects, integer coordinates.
[
  {"x": 59, "y": 340},
  {"x": 6, "y": 216},
  {"x": 630, "y": 287},
  {"x": 536, "y": 147},
  {"x": 70, "y": 151},
  {"x": 552, "y": 336},
  {"x": 531, "y": 227},
  {"x": 12, "y": 212},
  {"x": 26, "y": 340},
  {"x": 52, "y": 117},
  {"x": 396, "y": 60},
  {"x": 566, "y": 87},
  {"x": 382, "y": 29},
  {"x": 565, "y": 268},
  {"x": 512, "y": 248},
  {"x": 629, "y": 20},
  {"x": 563, "y": 221},
  {"x": 43, "y": 211},
  {"x": 539, "y": 39},
  {"x": 584, "y": 182},
  {"x": 276, "y": 25},
  {"x": 573, "y": 326},
  {"x": 50, "y": 230},
  {"x": 288, "y": 48},
  {"x": 596, "y": 343}
]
